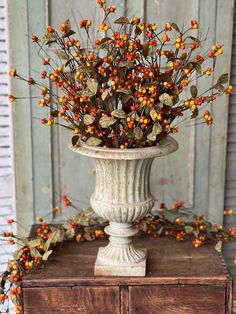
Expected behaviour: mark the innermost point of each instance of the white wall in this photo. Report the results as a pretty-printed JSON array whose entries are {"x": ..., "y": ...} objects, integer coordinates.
[{"x": 6, "y": 148}]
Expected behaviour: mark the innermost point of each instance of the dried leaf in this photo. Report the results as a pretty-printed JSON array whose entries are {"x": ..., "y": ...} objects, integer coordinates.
[
  {"x": 124, "y": 91},
  {"x": 157, "y": 128},
  {"x": 54, "y": 113},
  {"x": 106, "y": 122},
  {"x": 122, "y": 20},
  {"x": 88, "y": 119},
  {"x": 126, "y": 64},
  {"x": 119, "y": 113},
  {"x": 188, "y": 229},
  {"x": 74, "y": 140},
  {"x": 34, "y": 252},
  {"x": 175, "y": 27},
  {"x": 105, "y": 39},
  {"x": 93, "y": 141},
  {"x": 70, "y": 233},
  {"x": 61, "y": 54},
  {"x": 138, "y": 133},
  {"x": 46, "y": 255},
  {"x": 88, "y": 237},
  {"x": 143, "y": 226},
  {"x": 151, "y": 137},
  {"x": 34, "y": 243},
  {"x": 92, "y": 86},
  {"x": 153, "y": 114},
  {"x": 193, "y": 91},
  {"x": 50, "y": 38},
  {"x": 194, "y": 113},
  {"x": 17, "y": 254},
  {"x": 166, "y": 99},
  {"x": 218, "y": 246},
  {"x": 223, "y": 78},
  {"x": 105, "y": 94}
]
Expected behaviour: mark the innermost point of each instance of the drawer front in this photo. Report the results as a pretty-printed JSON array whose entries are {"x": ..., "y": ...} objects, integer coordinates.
[
  {"x": 177, "y": 300},
  {"x": 76, "y": 300}
]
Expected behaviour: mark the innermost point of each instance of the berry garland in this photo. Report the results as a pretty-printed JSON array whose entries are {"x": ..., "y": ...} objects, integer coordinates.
[{"x": 33, "y": 252}]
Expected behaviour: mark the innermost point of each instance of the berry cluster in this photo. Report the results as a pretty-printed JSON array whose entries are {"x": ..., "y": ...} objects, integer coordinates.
[{"x": 124, "y": 90}]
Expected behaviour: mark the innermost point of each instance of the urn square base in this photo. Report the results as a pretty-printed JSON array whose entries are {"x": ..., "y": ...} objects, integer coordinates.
[{"x": 105, "y": 268}]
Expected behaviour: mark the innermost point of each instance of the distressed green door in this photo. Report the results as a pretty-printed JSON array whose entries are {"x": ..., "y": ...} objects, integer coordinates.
[{"x": 46, "y": 168}]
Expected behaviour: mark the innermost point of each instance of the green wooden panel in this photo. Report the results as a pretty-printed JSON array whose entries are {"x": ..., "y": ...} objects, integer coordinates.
[
  {"x": 195, "y": 173},
  {"x": 203, "y": 132},
  {"x": 217, "y": 161},
  {"x": 19, "y": 58},
  {"x": 41, "y": 149}
]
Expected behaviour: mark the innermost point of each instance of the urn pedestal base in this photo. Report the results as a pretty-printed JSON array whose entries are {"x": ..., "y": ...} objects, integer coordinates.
[
  {"x": 104, "y": 267},
  {"x": 122, "y": 197}
]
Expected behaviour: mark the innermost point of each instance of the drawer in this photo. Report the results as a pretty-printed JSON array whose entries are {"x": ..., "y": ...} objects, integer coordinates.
[
  {"x": 177, "y": 299},
  {"x": 74, "y": 300}
]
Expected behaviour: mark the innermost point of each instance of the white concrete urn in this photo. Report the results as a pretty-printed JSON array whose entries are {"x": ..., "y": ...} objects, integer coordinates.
[{"x": 122, "y": 195}]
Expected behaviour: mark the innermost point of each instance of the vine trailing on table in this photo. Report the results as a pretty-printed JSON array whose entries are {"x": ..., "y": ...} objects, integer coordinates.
[
  {"x": 33, "y": 252},
  {"x": 126, "y": 89}
]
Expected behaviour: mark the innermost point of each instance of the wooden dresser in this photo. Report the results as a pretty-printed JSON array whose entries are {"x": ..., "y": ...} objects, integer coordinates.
[{"x": 180, "y": 280}]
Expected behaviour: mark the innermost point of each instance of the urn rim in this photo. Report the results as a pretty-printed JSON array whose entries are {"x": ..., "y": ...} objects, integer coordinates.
[{"x": 163, "y": 148}]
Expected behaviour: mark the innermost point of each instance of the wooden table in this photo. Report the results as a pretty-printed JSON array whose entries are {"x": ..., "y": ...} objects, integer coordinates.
[{"x": 180, "y": 280}]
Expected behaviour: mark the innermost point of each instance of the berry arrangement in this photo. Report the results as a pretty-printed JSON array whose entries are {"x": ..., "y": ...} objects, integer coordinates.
[
  {"x": 177, "y": 221},
  {"x": 126, "y": 88}
]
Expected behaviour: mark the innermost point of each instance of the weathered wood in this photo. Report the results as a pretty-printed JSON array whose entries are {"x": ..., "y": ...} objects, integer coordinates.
[
  {"x": 177, "y": 299},
  {"x": 80, "y": 300},
  {"x": 180, "y": 279}
]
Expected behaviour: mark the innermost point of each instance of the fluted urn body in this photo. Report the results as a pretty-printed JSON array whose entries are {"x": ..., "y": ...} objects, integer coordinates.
[{"x": 122, "y": 195}]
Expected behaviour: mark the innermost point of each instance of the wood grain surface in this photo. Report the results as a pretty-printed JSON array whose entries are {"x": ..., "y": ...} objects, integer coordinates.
[{"x": 180, "y": 280}]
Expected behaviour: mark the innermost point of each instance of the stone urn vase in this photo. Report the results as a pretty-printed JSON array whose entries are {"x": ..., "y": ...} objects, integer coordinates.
[{"x": 122, "y": 195}]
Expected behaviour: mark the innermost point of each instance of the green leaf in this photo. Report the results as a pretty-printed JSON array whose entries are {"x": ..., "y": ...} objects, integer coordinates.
[
  {"x": 122, "y": 20},
  {"x": 138, "y": 133},
  {"x": 166, "y": 99},
  {"x": 223, "y": 78},
  {"x": 93, "y": 141},
  {"x": 88, "y": 119},
  {"x": 106, "y": 122},
  {"x": 119, "y": 113},
  {"x": 175, "y": 27},
  {"x": 92, "y": 86},
  {"x": 74, "y": 140},
  {"x": 193, "y": 91},
  {"x": 218, "y": 246},
  {"x": 46, "y": 255}
]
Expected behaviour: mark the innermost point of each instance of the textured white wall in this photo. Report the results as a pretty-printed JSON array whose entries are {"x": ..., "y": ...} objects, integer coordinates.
[{"x": 7, "y": 202}]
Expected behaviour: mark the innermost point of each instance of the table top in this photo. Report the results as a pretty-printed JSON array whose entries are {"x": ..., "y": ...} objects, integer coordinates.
[{"x": 168, "y": 262}]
